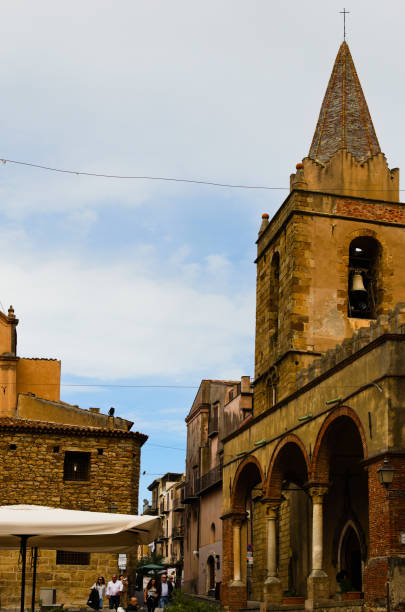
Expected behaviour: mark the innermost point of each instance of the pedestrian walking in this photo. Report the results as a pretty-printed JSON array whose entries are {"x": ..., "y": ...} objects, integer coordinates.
[
  {"x": 150, "y": 595},
  {"x": 100, "y": 587},
  {"x": 124, "y": 592},
  {"x": 164, "y": 591},
  {"x": 113, "y": 592}
]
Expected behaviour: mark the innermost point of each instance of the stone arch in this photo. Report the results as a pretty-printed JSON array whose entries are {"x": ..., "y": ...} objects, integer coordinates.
[
  {"x": 320, "y": 459},
  {"x": 342, "y": 527},
  {"x": 290, "y": 450},
  {"x": 248, "y": 475}
]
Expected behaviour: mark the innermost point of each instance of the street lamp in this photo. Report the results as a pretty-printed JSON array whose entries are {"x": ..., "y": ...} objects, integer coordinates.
[{"x": 386, "y": 473}]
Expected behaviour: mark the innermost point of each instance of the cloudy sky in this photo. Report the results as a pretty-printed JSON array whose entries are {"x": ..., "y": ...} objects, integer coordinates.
[{"x": 145, "y": 282}]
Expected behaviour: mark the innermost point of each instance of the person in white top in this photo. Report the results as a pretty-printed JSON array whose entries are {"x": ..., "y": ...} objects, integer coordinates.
[
  {"x": 113, "y": 592},
  {"x": 100, "y": 586},
  {"x": 165, "y": 591}
]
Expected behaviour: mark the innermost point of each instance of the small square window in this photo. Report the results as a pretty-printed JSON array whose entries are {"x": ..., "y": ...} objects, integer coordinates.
[
  {"x": 100, "y": 451},
  {"x": 56, "y": 449},
  {"x": 76, "y": 466},
  {"x": 12, "y": 447},
  {"x": 65, "y": 557}
]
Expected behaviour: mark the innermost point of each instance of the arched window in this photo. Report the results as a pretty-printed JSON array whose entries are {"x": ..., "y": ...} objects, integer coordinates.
[
  {"x": 212, "y": 533},
  {"x": 274, "y": 294},
  {"x": 364, "y": 277},
  {"x": 272, "y": 384}
]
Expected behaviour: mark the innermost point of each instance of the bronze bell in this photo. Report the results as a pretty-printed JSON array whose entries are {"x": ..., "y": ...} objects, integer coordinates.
[{"x": 357, "y": 282}]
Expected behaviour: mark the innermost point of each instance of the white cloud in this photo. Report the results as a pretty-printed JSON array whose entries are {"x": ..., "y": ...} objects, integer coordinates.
[{"x": 107, "y": 321}]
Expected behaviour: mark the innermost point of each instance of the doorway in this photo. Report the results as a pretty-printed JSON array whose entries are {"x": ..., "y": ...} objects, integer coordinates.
[
  {"x": 211, "y": 575},
  {"x": 350, "y": 558}
]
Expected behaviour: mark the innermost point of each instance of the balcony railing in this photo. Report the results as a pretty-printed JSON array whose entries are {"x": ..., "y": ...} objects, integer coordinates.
[
  {"x": 189, "y": 493},
  {"x": 178, "y": 504},
  {"x": 178, "y": 532},
  {"x": 213, "y": 426},
  {"x": 211, "y": 478}
]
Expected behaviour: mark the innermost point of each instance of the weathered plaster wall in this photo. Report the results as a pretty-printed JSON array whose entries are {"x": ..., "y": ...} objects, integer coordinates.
[{"x": 39, "y": 376}]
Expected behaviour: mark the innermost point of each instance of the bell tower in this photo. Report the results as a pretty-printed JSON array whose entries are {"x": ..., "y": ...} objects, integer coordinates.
[{"x": 331, "y": 259}]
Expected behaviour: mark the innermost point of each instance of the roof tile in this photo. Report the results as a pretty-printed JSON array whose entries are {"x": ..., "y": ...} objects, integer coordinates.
[{"x": 344, "y": 121}]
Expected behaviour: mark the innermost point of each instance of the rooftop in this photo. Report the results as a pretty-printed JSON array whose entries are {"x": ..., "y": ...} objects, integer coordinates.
[{"x": 344, "y": 121}]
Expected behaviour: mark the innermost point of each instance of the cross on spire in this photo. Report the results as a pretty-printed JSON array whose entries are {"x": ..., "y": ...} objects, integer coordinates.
[{"x": 344, "y": 13}]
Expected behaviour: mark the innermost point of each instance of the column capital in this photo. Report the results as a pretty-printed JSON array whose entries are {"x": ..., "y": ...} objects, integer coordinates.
[
  {"x": 317, "y": 492},
  {"x": 271, "y": 506}
]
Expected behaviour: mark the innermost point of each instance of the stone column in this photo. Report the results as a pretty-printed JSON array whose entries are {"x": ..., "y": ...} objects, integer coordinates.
[
  {"x": 233, "y": 590},
  {"x": 273, "y": 592},
  {"x": 318, "y": 581},
  {"x": 237, "y": 575}
]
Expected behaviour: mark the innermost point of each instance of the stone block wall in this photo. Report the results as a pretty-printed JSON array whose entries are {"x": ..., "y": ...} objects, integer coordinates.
[
  {"x": 72, "y": 582},
  {"x": 32, "y": 460}
]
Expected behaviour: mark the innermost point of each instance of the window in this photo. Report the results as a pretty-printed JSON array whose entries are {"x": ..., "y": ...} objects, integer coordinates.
[
  {"x": 363, "y": 278},
  {"x": 272, "y": 383},
  {"x": 65, "y": 557},
  {"x": 76, "y": 466},
  {"x": 274, "y": 294}
]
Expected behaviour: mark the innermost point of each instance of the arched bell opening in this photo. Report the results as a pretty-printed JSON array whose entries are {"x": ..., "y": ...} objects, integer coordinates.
[
  {"x": 288, "y": 475},
  {"x": 364, "y": 279},
  {"x": 338, "y": 462}
]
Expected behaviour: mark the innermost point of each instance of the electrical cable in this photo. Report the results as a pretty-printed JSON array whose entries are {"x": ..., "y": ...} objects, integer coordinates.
[
  {"x": 171, "y": 179},
  {"x": 183, "y": 450},
  {"x": 106, "y": 385}
]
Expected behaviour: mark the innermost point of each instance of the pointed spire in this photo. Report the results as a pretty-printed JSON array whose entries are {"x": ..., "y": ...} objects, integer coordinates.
[{"x": 344, "y": 121}]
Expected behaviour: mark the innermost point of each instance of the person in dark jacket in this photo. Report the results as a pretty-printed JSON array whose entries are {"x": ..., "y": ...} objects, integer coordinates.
[
  {"x": 165, "y": 590},
  {"x": 132, "y": 605},
  {"x": 94, "y": 599}
]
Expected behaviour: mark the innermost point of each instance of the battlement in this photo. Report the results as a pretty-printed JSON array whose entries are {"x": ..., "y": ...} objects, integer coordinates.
[{"x": 392, "y": 323}]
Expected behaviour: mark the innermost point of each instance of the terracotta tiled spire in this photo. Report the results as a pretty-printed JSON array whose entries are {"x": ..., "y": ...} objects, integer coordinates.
[{"x": 344, "y": 121}]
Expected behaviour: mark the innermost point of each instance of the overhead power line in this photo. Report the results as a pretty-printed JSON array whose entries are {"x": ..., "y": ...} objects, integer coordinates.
[
  {"x": 106, "y": 385},
  {"x": 163, "y": 446},
  {"x": 169, "y": 179},
  {"x": 138, "y": 177}
]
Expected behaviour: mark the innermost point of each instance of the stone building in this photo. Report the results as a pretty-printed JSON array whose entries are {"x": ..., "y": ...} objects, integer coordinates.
[
  {"x": 59, "y": 455},
  {"x": 218, "y": 409},
  {"x": 302, "y": 488},
  {"x": 167, "y": 503}
]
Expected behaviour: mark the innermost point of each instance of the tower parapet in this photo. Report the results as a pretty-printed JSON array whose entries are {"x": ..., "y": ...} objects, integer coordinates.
[{"x": 392, "y": 323}]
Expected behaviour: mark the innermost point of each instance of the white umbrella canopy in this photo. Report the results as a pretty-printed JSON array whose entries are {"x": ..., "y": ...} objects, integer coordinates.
[
  {"x": 58, "y": 528},
  {"x": 23, "y": 526}
]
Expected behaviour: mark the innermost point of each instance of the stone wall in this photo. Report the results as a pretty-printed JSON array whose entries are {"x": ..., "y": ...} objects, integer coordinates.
[
  {"x": 32, "y": 460},
  {"x": 393, "y": 322},
  {"x": 72, "y": 582}
]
